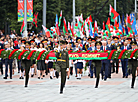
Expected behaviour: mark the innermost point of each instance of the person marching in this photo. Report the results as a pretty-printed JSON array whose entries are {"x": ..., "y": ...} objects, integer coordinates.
[
  {"x": 80, "y": 65},
  {"x": 50, "y": 66},
  {"x": 132, "y": 62},
  {"x": 8, "y": 62},
  {"x": 124, "y": 62},
  {"x": 26, "y": 64},
  {"x": 97, "y": 64},
  {"x": 41, "y": 63},
  {"x": 34, "y": 62},
  {"x": 115, "y": 46},
  {"x": 62, "y": 64},
  {"x": 91, "y": 48},
  {"x": 21, "y": 68}
]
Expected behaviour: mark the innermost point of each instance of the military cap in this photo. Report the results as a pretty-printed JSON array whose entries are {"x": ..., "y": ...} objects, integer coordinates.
[
  {"x": 89, "y": 39},
  {"x": 27, "y": 43},
  {"x": 98, "y": 43},
  {"x": 93, "y": 39},
  {"x": 23, "y": 41},
  {"x": 44, "y": 41},
  {"x": 133, "y": 43},
  {"x": 129, "y": 39},
  {"x": 115, "y": 38},
  {"x": 78, "y": 39},
  {"x": 32, "y": 41}
]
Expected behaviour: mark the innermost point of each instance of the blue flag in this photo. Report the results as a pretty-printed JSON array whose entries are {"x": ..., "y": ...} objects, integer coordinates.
[
  {"x": 120, "y": 26},
  {"x": 91, "y": 34}
]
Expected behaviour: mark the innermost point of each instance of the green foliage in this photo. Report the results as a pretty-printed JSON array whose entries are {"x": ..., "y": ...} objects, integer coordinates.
[{"x": 8, "y": 11}]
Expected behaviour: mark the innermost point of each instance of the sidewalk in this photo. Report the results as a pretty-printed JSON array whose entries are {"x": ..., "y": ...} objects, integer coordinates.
[{"x": 116, "y": 89}]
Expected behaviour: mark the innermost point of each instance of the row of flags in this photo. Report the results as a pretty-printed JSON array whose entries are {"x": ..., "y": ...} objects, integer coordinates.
[{"x": 126, "y": 27}]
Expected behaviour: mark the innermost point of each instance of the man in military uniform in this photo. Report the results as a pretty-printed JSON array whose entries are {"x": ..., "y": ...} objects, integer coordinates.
[
  {"x": 132, "y": 62},
  {"x": 115, "y": 46},
  {"x": 26, "y": 64},
  {"x": 97, "y": 64},
  {"x": 62, "y": 64}
]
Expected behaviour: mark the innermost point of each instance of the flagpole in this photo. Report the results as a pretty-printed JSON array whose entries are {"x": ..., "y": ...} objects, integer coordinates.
[
  {"x": 44, "y": 14},
  {"x": 73, "y": 15},
  {"x": 25, "y": 18}
]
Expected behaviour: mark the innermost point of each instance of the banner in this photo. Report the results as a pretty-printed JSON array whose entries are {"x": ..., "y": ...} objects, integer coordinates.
[
  {"x": 85, "y": 56},
  {"x": 20, "y": 10},
  {"x": 29, "y": 10}
]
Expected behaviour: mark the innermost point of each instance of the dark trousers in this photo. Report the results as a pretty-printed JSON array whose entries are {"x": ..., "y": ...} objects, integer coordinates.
[
  {"x": 109, "y": 69},
  {"x": 76, "y": 68},
  {"x": 104, "y": 69},
  {"x": 133, "y": 65},
  {"x": 26, "y": 64},
  {"x": 117, "y": 63},
  {"x": 124, "y": 66},
  {"x": 98, "y": 69},
  {"x": 91, "y": 69},
  {"x": 1, "y": 67},
  {"x": 8, "y": 62},
  {"x": 19, "y": 65}
]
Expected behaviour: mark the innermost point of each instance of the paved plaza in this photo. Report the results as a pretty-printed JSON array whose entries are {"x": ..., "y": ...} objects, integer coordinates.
[{"x": 116, "y": 89}]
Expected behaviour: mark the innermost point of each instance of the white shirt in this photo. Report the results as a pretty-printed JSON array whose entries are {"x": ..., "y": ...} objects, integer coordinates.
[
  {"x": 125, "y": 47},
  {"x": 12, "y": 36},
  {"x": 41, "y": 49},
  {"x": 104, "y": 47}
]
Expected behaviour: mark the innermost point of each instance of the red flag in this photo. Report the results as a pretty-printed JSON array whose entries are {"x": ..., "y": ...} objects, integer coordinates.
[
  {"x": 64, "y": 21},
  {"x": 103, "y": 25},
  {"x": 22, "y": 27}
]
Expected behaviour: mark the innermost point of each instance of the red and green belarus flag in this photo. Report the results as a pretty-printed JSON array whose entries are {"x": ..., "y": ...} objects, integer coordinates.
[
  {"x": 47, "y": 31},
  {"x": 108, "y": 26},
  {"x": 129, "y": 26},
  {"x": 22, "y": 27},
  {"x": 65, "y": 30},
  {"x": 113, "y": 13},
  {"x": 60, "y": 18},
  {"x": 35, "y": 20}
]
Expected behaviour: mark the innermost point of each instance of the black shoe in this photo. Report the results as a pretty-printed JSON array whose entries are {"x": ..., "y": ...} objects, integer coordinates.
[
  {"x": 104, "y": 79},
  {"x": 78, "y": 78},
  {"x": 43, "y": 75},
  {"x": 126, "y": 76},
  {"x": 20, "y": 78},
  {"x": 123, "y": 77},
  {"x": 96, "y": 86},
  {"x": 132, "y": 87},
  {"x": 116, "y": 72},
  {"x": 88, "y": 74},
  {"x": 18, "y": 71},
  {"x": 32, "y": 75},
  {"x": 51, "y": 77},
  {"x": 38, "y": 77},
  {"x": 91, "y": 76},
  {"x": 109, "y": 77},
  {"x": 68, "y": 78},
  {"x": 10, "y": 77},
  {"x": 57, "y": 74},
  {"x": 61, "y": 92},
  {"x": 25, "y": 86},
  {"x": 41, "y": 78},
  {"x": 4, "y": 77}
]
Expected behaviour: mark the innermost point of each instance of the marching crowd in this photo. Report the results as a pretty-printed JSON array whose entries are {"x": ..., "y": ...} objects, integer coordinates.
[{"x": 40, "y": 42}]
